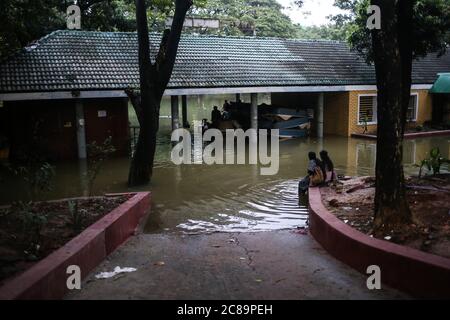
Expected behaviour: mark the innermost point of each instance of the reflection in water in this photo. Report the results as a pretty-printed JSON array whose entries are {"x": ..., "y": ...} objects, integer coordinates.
[{"x": 200, "y": 198}]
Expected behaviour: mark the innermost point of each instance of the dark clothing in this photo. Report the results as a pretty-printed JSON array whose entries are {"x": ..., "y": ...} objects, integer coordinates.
[
  {"x": 216, "y": 116},
  {"x": 303, "y": 185}
]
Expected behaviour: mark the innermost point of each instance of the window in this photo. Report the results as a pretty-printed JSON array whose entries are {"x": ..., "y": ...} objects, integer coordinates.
[
  {"x": 367, "y": 109},
  {"x": 412, "y": 108}
]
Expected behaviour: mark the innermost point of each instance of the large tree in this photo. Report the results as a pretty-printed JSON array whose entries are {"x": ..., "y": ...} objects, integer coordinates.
[
  {"x": 154, "y": 77},
  {"x": 409, "y": 29},
  {"x": 392, "y": 53}
]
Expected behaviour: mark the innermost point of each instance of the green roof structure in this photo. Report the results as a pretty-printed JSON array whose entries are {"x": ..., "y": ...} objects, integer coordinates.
[{"x": 442, "y": 84}]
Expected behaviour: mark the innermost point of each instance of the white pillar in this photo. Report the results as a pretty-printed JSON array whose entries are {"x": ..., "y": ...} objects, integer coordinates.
[
  {"x": 81, "y": 130},
  {"x": 254, "y": 111},
  {"x": 319, "y": 115},
  {"x": 175, "y": 112}
]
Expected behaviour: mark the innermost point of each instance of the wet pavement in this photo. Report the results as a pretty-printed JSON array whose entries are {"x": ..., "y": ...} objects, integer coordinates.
[{"x": 223, "y": 266}]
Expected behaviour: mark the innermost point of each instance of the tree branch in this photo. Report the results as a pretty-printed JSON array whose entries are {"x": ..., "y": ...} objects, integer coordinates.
[
  {"x": 171, "y": 47},
  {"x": 135, "y": 99},
  {"x": 145, "y": 65},
  {"x": 160, "y": 59}
]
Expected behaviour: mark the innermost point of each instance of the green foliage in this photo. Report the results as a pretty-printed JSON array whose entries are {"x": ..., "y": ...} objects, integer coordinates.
[
  {"x": 37, "y": 175},
  {"x": 247, "y": 17},
  {"x": 27, "y": 20},
  {"x": 365, "y": 123},
  {"x": 328, "y": 32},
  {"x": 98, "y": 153},
  {"x": 431, "y": 21},
  {"x": 77, "y": 215},
  {"x": 434, "y": 162},
  {"x": 32, "y": 222},
  {"x": 24, "y": 21},
  {"x": 41, "y": 179}
]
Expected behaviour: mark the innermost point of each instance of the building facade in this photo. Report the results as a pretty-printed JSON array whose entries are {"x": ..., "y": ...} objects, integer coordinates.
[{"x": 75, "y": 80}]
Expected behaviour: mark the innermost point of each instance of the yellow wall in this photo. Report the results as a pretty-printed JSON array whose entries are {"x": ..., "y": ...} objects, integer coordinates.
[
  {"x": 353, "y": 109},
  {"x": 425, "y": 106},
  {"x": 336, "y": 113},
  {"x": 341, "y": 109},
  {"x": 424, "y": 110}
]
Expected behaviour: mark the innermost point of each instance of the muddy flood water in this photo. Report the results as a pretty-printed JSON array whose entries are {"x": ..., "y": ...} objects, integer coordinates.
[{"x": 230, "y": 198}]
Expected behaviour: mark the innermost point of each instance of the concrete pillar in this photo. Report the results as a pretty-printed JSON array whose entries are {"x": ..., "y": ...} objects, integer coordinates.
[
  {"x": 319, "y": 115},
  {"x": 83, "y": 174},
  {"x": 81, "y": 130},
  {"x": 254, "y": 111},
  {"x": 184, "y": 111},
  {"x": 175, "y": 112}
]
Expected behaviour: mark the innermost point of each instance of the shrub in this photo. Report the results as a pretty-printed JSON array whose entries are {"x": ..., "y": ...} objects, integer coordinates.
[
  {"x": 434, "y": 162},
  {"x": 32, "y": 223},
  {"x": 78, "y": 216},
  {"x": 98, "y": 153}
]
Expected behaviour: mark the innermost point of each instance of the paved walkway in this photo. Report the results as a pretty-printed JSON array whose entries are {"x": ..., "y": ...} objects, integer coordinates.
[{"x": 222, "y": 266}]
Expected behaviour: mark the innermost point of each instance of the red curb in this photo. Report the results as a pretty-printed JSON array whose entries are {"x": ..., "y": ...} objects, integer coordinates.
[
  {"x": 418, "y": 273},
  {"x": 121, "y": 223},
  {"x": 407, "y": 135},
  {"x": 47, "y": 278}
]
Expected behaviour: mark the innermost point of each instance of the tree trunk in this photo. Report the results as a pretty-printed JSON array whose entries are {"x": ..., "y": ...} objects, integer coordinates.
[
  {"x": 141, "y": 168},
  {"x": 153, "y": 82},
  {"x": 393, "y": 59},
  {"x": 142, "y": 162}
]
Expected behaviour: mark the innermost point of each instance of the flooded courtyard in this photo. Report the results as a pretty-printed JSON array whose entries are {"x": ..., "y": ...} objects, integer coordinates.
[{"x": 230, "y": 198}]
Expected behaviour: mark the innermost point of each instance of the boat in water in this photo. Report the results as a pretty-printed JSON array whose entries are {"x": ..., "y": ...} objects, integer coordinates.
[{"x": 291, "y": 122}]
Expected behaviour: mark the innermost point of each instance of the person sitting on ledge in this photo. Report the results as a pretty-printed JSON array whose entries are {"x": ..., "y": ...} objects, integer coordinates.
[
  {"x": 315, "y": 175},
  {"x": 330, "y": 174}
]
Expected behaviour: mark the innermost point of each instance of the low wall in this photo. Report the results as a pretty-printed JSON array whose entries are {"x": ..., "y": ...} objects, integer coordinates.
[
  {"x": 47, "y": 278},
  {"x": 412, "y": 135},
  {"x": 420, "y": 274}
]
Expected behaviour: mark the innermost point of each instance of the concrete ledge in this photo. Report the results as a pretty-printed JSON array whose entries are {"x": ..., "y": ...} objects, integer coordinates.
[
  {"x": 407, "y": 135},
  {"x": 47, "y": 278},
  {"x": 420, "y": 274}
]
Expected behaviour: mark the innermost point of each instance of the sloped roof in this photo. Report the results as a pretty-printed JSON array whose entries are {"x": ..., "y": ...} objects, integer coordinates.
[
  {"x": 85, "y": 60},
  {"x": 442, "y": 84}
]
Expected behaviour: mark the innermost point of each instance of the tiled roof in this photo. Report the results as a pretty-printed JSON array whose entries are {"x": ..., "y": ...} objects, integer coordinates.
[{"x": 85, "y": 60}]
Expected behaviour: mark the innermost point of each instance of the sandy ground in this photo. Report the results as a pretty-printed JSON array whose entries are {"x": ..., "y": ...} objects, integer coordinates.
[{"x": 224, "y": 266}]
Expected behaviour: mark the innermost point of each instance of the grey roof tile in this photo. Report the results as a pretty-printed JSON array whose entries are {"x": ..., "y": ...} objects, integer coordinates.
[{"x": 75, "y": 60}]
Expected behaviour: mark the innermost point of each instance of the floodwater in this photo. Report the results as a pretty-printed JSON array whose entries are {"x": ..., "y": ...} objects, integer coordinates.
[{"x": 230, "y": 198}]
